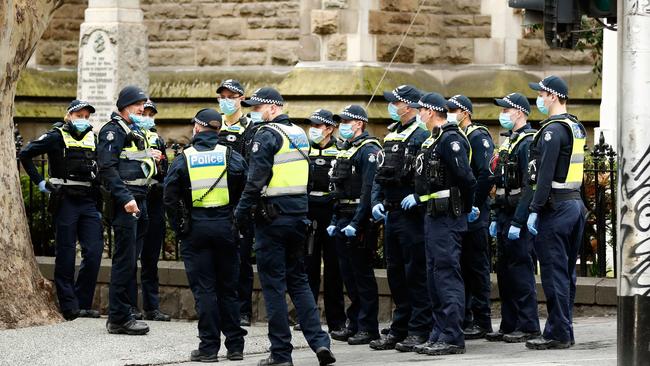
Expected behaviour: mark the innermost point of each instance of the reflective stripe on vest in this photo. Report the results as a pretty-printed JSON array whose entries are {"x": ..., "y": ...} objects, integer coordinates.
[
  {"x": 204, "y": 168},
  {"x": 349, "y": 153},
  {"x": 404, "y": 135},
  {"x": 290, "y": 172},
  {"x": 576, "y": 164},
  {"x": 331, "y": 151},
  {"x": 87, "y": 142},
  {"x": 143, "y": 156}
]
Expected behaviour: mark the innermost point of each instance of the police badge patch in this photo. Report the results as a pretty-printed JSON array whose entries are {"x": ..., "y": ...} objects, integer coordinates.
[
  {"x": 455, "y": 146},
  {"x": 372, "y": 158},
  {"x": 548, "y": 136},
  {"x": 486, "y": 143},
  {"x": 256, "y": 146},
  {"x": 110, "y": 136}
]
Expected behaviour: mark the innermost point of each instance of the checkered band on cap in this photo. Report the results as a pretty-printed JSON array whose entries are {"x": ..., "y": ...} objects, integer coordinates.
[
  {"x": 545, "y": 88},
  {"x": 401, "y": 99},
  {"x": 513, "y": 105},
  {"x": 456, "y": 102},
  {"x": 230, "y": 86},
  {"x": 266, "y": 101},
  {"x": 354, "y": 116},
  {"x": 431, "y": 106},
  {"x": 79, "y": 106},
  {"x": 322, "y": 119},
  {"x": 204, "y": 124}
]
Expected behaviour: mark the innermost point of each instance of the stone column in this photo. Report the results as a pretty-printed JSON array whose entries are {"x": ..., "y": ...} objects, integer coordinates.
[{"x": 112, "y": 53}]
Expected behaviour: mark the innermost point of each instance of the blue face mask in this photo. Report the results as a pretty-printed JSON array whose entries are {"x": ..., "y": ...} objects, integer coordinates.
[
  {"x": 228, "y": 106},
  {"x": 147, "y": 123},
  {"x": 80, "y": 124},
  {"x": 540, "y": 105},
  {"x": 506, "y": 121},
  {"x": 256, "y": 117},
  {"x": 393, "y": 112},
  {"x": 418, "y": 119},
  {"x": 345, "y": 131},
  {"x": 316, "y": 135},
  {"x": 137, "y": 120}
]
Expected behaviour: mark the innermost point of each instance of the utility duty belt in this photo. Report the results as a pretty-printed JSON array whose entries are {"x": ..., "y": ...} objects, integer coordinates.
[{"x": 446, "y": 202}]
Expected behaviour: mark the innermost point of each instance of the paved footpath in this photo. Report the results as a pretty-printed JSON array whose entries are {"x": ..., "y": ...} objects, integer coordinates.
[{"x": 85, "y": 342}]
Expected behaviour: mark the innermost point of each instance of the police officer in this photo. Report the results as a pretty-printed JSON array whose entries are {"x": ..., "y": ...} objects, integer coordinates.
[
  {"x": 276, "y": 193},
  {"x": 352, "y": 176},
  {"x": 208, "y": 178},
  {"x": 515, "y": 269},
  {"x": 444, "y": 184},
  {"x": 233, "y": 134},
  {"x": 321, "y": 205},
  {"x": 74, "y": 195},
  {"x": 127, "y": 163},
  {"x": 152, "y": 244},
  {"x": 557, "y": 213},
  {"x": 475, "y": 253},
  {"x": 403, "y": 231}
]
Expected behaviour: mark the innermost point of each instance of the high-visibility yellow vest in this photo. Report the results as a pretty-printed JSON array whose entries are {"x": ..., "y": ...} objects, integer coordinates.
[
  {"x": 404, "y": 135},
  {"x": 576, "y": 165},
  {"x": 204, "y": 168},
  {"x": 88, "y": 142},
  {"x": 133, "y": 153},
  {"x": 290, "y": 172},
  {"x": 79, "y": 166}
]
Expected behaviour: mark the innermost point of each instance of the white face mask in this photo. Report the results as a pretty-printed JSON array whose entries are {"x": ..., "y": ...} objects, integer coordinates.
[
  {"x": 316, "y": 135},
  {"x": 452, "y": 117}
]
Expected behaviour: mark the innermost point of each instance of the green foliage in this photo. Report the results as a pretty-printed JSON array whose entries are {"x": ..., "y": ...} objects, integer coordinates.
[{"x": 591, "y": 40}]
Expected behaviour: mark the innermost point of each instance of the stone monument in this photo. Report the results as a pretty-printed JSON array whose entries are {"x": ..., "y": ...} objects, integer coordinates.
[{"x": 112, "y": 54}]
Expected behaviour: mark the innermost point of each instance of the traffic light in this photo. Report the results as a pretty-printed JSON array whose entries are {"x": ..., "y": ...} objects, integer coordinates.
[{"x": 561, "y": 19}]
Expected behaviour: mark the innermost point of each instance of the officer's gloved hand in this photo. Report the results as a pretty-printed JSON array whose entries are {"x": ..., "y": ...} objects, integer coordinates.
[
  {"x": 493, "y": 229},
  {"x": 349, "y": 231},
  {"x": 532, "y": 223},
  {"x": 409, "y": 202},
  {"x": 331, "y": 230},
  {"x": 42, "y": 186},
  {"x": 513, "y": 232},
  {"x": 378, "y": 212},
  {"x": 473, "y": 216}
]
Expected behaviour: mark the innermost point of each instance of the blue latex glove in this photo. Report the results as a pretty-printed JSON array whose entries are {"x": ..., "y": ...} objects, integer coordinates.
[
  {"x": 493, "y": 229},
  {"x": 42, "y": 187},
  {"x": 473, "y": 216},
  {"x": 532, "y": 223},
  {"x": 513, "y": 232},
  {"x": 349, "y": 231},
  {"x": 331, "y": 230},
  {"x": 409, "y": 202},
  {"x": 378, "y": 212}
]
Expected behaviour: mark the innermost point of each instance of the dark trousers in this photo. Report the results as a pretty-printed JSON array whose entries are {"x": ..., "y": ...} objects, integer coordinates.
[
  {"x": 149, "y": 254},
  {"x": 211, "y": 260},
  {"x": 355, "y": 262},
  {"x": 407, "y": 275},
  {"x": 475, "y": 264},
  {"x": 325, "y": 248},
  {"x": 557, "y": 243},
  {"x": 516, "y": 279},
  {"x": 443, "y": 236},
  {"x": 245, "y": 288},
  {"x": 281, "y": 270},
  {"x": 129, "y": 233},
  {"x": 77, "y": 219}
]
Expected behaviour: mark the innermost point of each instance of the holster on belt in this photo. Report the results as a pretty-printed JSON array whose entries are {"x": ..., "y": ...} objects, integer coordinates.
[
  {"x": 265, "y": 212},
  {"x": 55, "y": 200},
  {"x": 108, "y": 206}
]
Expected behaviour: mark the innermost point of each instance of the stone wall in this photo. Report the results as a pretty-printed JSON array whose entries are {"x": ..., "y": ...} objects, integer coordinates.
[{"x": 198, "y": 33}]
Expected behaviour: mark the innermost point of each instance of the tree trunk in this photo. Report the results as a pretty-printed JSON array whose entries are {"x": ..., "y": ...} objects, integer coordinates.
[{"x": 26, "y": 298}]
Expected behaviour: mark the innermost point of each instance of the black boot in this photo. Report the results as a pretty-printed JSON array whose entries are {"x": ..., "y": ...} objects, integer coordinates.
[
  {"x": 157, "y": 315},
  {"x": 362, "y": 338},
  {"x": 542, "y": 343},
  {"x": 474, "y": 332},
  {"x": 385, "y": 343},
  {"x": 325, "y": 356},
  {"x": 409, "y": 343},
  {"x": 88, "y": 313},
  {"x": 443, "y": 348},
  {"x": 342, "y": 334},
  {"x": 131, "y": 327},
  {"x": 494, "y": 336},
  {"x": 519, "y": 336},
  {"x": 245, "y": 320},
  {"x": 271, "y": 362},
  {"x": 197, "y": 356}
]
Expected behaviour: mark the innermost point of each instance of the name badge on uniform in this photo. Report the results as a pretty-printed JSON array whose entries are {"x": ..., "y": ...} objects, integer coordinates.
[
  {"x": 299, "y": 141},
  {"x": 205, "y": 159}
]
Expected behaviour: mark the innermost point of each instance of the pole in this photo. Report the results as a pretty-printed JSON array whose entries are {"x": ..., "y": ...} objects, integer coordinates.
[{"x": 633, "y": 199}]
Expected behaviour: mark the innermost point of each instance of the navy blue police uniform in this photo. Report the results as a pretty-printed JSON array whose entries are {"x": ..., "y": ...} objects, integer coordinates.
[
  {"x": 238, "y": 136},
  {"x": 276, "y": 193},
  {"x": 475, "y": 253},
  {"x": 352, "y": 176},
  {"x": 73, "y": 183},
  {"x": 152, "y": 244},
  {"x": 514, "y": 265},
  {"x": 126, "y": 169},
  {"x": 321, "y": 207},
  {"x": 445, "y": 184},
  {"x": 556, "y": 170},
  {"x": 208, "y": 246},
  {"x": 403, "y": 230}
]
